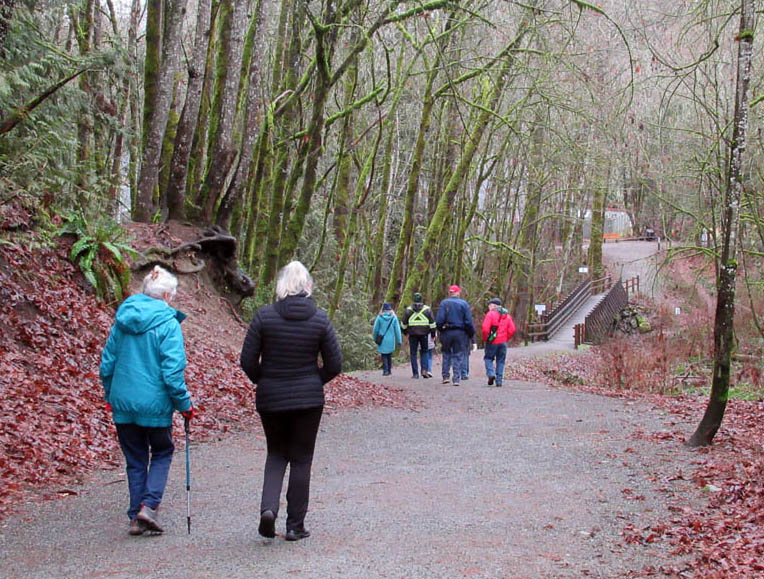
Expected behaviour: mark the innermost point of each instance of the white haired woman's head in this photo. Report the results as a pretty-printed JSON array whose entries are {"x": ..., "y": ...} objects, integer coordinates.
[
  {"x": 294, "y": 279},
  {"x": 159, "y": 283}
]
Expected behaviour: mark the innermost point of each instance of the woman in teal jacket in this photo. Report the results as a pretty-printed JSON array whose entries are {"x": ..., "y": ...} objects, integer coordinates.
[
  {"x": 142, "y": 372},
  {"x": 387, "y": 335}
]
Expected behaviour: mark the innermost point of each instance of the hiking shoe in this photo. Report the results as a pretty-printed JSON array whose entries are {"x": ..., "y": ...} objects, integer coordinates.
[
  {"x": 498, "y": 384},
  {"x": 297, "y": 534},
  {"x": 150, "y": 519},
  {"x": 446, "y": 380},
  {"x": 491, "y": 380},
  {"x": 137, "y": 527},
  {"x": 267, "y": 526}
]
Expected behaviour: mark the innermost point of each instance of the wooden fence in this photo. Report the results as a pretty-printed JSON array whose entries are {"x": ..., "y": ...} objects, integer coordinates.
[
  {"x": 599, "y": 322},
  {"x": 552, "y": 321}
]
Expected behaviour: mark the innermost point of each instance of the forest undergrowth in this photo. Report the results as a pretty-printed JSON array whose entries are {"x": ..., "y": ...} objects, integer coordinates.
[{"x": 670, "y": 368}]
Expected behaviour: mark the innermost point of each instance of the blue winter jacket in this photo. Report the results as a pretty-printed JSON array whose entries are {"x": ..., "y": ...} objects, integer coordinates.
[
  {"x": 392, "y": 337},
  {"x": 143, "y": 363},
  {"x": 455, "y": 314}
]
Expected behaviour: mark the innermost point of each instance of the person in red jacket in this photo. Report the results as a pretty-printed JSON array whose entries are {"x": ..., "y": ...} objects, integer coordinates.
[{"x": 498, "y": 329}]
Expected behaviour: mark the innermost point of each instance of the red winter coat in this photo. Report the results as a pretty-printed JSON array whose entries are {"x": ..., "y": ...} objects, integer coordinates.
[{"x": 506, "y": 326}]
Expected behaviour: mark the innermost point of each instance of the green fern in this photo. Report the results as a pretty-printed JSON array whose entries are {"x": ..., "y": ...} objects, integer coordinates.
[{"x": 99, "y": 251}]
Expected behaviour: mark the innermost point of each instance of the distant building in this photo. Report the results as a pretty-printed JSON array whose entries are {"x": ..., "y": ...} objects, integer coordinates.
[{"x": 617, "y": 223}]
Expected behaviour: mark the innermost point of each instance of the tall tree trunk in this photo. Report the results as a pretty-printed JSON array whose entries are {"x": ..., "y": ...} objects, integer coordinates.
[
  {"x": 725, "y": 285},
  {"x": 184, "y": 137},
  {"x": 223, "y": 147},
  {"x": 83, "y": 23},
  {"x": 159, "y": 111},
  {"x": 345, "y": 163},
  {"x": 6, "y": 13},
  {"x": 525, "y": 269},
  {"x": 412, "y": 188},
  {"x": 279, "y": 173},
  {"x": 599, "y": 202},
  {"x": 254, "y": 54}
]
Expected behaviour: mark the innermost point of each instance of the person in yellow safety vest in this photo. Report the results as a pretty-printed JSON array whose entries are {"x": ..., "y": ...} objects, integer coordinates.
[{"x": 418, "y": 321}]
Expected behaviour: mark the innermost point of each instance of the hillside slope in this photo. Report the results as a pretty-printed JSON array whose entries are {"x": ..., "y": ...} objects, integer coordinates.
[{"x": 54, "y": 427}]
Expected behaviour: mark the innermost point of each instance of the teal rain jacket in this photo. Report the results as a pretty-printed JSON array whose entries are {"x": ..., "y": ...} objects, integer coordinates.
[{"x": 143, "y": 363}]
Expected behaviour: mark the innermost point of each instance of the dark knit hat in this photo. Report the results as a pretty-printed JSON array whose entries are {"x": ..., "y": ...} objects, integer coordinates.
[
  {"x": 496, "y": 301},
  {"x": 387, "y": 306}
]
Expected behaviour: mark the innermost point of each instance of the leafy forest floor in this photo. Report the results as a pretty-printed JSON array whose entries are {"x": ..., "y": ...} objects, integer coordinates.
[{"x": 577, "y": 467}]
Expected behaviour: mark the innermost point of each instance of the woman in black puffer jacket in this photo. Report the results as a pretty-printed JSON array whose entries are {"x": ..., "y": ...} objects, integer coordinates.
[{"x": 280, "y": 355}]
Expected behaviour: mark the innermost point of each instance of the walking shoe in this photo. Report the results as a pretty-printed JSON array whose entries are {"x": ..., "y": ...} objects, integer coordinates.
[
  {"x": 491, "y": 380},
  {"x": 465, "y": 378},
  {"x": 446, "y": 380},
  {"x": 296, "y": 535},
  {"x": 415, "y": 376},
  {"x": 150, "y": 519},
  {"x": 267, "y": 526},
  {"x": 498, "y": 384},
  {"x": 137, "y": 527},
  {"x": 456, "y": 382},
  {"x": 426, "y": 375}
]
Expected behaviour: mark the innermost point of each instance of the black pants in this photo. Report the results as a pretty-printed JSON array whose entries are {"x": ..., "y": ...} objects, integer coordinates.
[{"x": 291, "y": 438}]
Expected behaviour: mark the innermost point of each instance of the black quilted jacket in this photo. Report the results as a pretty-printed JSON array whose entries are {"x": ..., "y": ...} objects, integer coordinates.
[{"x": 280, "y": 355}]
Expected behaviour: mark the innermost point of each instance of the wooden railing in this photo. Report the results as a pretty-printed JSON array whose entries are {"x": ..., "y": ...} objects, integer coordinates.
[
  {"x": 552, "y": 321},
  {"x": 599, "y": 322}
]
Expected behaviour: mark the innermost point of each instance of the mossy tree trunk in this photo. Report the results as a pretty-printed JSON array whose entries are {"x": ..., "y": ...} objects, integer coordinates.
[
  {"x": 187, "y": 125},
  {"x": 237, "y": 192},
  {"x": 158, "y": 111},
  {"x": 228, "y": 72},
  {"x": 725, "y": 284},
  {"x": 286, "y": 74}
]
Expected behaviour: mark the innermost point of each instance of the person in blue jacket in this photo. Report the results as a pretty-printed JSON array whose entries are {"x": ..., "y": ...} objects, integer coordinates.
[
  {"x": 142, "y": 372},
  {"x": 387, "y": 335},
  {"x": 454, "y": 321}
]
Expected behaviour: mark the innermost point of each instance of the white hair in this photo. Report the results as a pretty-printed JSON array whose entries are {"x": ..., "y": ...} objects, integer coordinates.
[
  {"x": 293, "y": 279},
  {"x": 160, "y": 281}
]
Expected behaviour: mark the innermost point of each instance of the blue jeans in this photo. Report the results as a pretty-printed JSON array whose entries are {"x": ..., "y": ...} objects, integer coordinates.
[
  {"x": 427, "y": 360},
  {"x": 418, "y": 343},
  {"x": 387, "y": 362},
  {"x": 466, "y": 360},
  {"x": 453, "y": 343},
  {"x": 148, "y": 454},
  {"x": 497, "y": 352}
]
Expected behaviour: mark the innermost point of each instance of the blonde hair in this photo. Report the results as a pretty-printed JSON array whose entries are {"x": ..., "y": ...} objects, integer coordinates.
[
  {"x": 158, "y": 282},
  {"x": 293, "y": 279}
]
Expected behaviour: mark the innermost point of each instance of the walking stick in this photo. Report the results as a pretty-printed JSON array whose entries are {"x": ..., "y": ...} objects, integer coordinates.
[{"x": 188, "y": 474}]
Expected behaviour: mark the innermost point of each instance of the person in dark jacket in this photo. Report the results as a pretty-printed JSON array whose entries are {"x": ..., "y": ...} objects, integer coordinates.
[
  {"x": 418, "y": 323},
  {"x": 280, "y": 355},
  {"x": 454, "y": 321},
  {"x": 142, "y": 372}
]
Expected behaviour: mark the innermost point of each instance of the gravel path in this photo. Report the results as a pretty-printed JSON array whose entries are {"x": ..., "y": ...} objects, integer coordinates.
[{"x": 520, "y": 481}]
